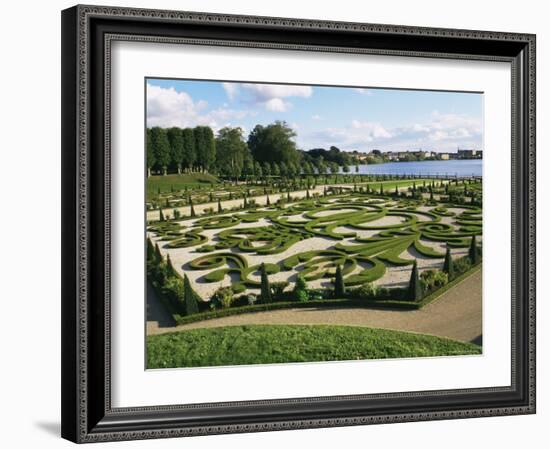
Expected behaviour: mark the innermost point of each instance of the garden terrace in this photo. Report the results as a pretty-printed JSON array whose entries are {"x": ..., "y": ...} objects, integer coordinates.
[{"x": 374, "y": 238}]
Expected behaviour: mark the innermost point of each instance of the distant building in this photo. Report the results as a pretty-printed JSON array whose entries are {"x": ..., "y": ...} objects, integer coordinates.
[
  {"x": 469, "y": 154},
  {"x": 444, "y": 156}
]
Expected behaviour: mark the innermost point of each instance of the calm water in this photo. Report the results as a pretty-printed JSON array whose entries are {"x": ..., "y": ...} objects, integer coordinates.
[{"x": 470, "y": 167}]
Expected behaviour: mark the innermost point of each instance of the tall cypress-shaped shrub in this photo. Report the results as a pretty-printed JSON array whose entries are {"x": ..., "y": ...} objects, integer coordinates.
[
  {"x": 265, "y": 290},
  {"x": 220, "y": 209},
  {"x": 158, "y": 255},
  {"x": 415, "y": 289},
  {"x": 190, "y": 297},
  {"x": 339, "y": 285},
  {"x": 267, "y": 201},
  {"x": 169, "y": 267},
  {"x": 150, "y": 250},
  {"x": 161, "y": 215},
  {"x": 448, "y": 265},
  {"x": 193, "y": 214},
  {"x": 473, "y": 252}
]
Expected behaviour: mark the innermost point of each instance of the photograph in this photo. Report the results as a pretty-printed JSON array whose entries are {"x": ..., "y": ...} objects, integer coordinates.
[{"x": 295, "y": 223}]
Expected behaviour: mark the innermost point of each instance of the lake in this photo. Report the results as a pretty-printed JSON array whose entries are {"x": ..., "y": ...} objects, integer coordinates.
[{"x": 464, "y": 167}]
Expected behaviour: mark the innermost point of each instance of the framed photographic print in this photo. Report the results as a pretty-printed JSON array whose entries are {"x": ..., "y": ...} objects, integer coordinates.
[{"x": 275, "y": 224}]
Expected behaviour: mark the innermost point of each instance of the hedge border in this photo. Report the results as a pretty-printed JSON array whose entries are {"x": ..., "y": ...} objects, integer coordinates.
[{"x": 334, "y": 303}]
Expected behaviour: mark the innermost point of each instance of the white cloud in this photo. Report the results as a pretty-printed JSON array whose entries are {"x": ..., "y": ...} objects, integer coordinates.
[
  {"x": 166, "y": 107},
  {"x": 442, "y": 132},
  {"x": 277, "y": 105},
  {"x": 231, "y": 89},
  {"x": 271, "y": 96},
  {"x": 316, "y": 117},
  {"x": 265, "y": 92},
  {"x": 364, "y": 91}
]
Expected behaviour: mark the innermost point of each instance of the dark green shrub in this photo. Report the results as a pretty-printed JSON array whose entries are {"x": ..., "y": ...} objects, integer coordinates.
[
  {"x": 265, "y": 290},
  {"x": 300, "y": 292},
  {"x": 191, "y": 298},
  {"x": 448, "y": 265},
  {"x": 223, "y": 297},
  {"x": 432, "y": 280},
  {"x": 473, "y": 252},
  {"x": 339, "y": 285},
  {"x": 415, "y": 289},
  {"x": 367, "y": 291},
  {"x": 277, "y": 288}
]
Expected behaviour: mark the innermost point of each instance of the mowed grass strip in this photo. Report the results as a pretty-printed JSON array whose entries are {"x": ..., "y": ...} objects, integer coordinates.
[
  {"x": 255, "y": 344},
  {"x": 178, "y": 182}
]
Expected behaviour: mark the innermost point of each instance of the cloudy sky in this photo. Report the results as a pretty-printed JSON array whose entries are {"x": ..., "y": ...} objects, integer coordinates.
[{"x": 347, "y": 117}]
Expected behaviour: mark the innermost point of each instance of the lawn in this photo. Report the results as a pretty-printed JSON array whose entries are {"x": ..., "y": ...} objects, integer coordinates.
[
  {"x": 260, "y": 344},
  {"x": 178, "y": 182}
]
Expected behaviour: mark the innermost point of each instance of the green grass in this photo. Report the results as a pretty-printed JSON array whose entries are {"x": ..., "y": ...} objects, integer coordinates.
[
  {"x": 245, "y": 345},
  {"x": 389, "y": 186},
  {"x": 178, "y": 182}
]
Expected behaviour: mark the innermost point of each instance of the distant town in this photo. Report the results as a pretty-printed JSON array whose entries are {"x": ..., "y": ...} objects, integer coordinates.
[{"x": 416, "y": 155}]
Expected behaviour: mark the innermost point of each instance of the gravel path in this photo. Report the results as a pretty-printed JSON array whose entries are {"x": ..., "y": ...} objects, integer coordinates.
[{"x": 456, "y": 314}]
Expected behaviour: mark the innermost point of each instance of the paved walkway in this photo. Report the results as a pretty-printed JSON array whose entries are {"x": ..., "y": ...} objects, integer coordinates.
[{"x": 456, "y": 314}]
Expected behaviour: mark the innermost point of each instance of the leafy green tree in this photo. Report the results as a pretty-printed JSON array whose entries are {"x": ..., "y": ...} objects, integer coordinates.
[
  {"x": 190, "y": 297},
  {"x": 275, "y": 171},
  {"x": 205, "y": 147},
  {"x": 273, "y": 143},
  {"x": 283, "y": 169},
  {"x": 339, "y": 285},
  {"x": 258, "y": 172},
  {"x": 266, "y": 168},
  {"x": 150, "y": 153},
  {"x": 160, "y": 148},
  {"x": 415, "y": 288},
  {"x": 231, "y": 151},
  {"x": 265, "y": 290},
  {"x": 448, "y": 265},
  {"x": 189, "y": 155},
  {"x": 175, "y": 138}
]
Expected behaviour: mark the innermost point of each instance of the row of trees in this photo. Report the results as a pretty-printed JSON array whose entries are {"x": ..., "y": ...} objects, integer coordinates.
[
  {"x": 190, "y": 149},
  {"x": 268, "y": 151}
]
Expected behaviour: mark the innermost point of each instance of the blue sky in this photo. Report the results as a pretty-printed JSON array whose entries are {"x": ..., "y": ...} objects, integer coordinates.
[{"x": 350, "y": 118}]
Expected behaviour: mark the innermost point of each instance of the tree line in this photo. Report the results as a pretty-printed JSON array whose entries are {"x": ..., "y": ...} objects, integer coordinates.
[{"x": 267, "y": 151}]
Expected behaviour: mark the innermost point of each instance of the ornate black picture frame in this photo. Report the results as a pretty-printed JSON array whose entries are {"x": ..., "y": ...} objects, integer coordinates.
[{"x": 87, "y": 33}]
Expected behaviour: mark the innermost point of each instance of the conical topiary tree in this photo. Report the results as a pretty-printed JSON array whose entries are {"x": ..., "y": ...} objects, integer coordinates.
[
  {"x": 339, "y": 285},
  {"x": 267, "y": 201},
  {"x": 265, "y": 289},
  {"x": 448, "y": 265},
  {"x": 158, "y": 255},
  {"x": 161, "y": 215},
  {"x": 473, "y": 252},
  {"x": 169, "y": 267},
  {"x": 415, "y": 289},
  {"x": 220, "y": 209},
  {"x": 190, "y": 297},
  {"x": 150, "y": 250},
  {"x": 381, "y": 189}
]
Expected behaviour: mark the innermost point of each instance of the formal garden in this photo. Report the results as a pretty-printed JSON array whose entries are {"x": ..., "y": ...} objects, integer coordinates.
[
  {"x": 239, "y": 225},
  {"x": 354, "y": 245}
]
